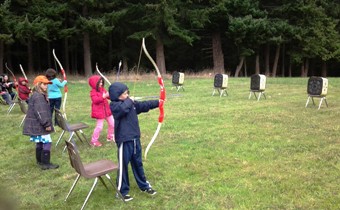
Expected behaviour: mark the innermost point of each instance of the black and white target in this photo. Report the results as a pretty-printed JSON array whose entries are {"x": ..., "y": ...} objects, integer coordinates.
[
  {"x": 258, "y": 82},
  {"x": 221, "y": 81},
  {"x": 317, "y": 86},
  {"x": 178, "y": 78}
]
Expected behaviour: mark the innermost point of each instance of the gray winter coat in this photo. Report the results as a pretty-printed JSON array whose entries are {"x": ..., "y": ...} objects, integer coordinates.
[{"x": 38, "y": 116}]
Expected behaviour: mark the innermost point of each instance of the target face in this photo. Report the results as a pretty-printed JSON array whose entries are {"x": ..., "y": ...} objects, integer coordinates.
[
  {"x": 258, "y": 82},
  {"x": 221, "y": 81},
  {"x": 317, "y": 86},
  {"x": 178, "y": 78}
]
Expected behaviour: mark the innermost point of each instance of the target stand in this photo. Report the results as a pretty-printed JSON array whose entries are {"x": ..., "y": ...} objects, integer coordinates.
[
  {"x": 221, "y": 91},
  {"x": 322, "y": 98},
  {"x": 178, "y": 80},
  {"x": 178, "y": 87},
  {"x": 261, "y": 92},
  {"x": 317, "y": 88}
]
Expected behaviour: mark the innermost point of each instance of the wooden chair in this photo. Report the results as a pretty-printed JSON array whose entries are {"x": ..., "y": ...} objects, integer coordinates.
[
  {"x": 91, "y": 170},
  {"x": 75, "y": 128}
]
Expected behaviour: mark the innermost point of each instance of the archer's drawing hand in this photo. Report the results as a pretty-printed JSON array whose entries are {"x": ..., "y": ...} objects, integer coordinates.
[{"x": 49, "y": 128}]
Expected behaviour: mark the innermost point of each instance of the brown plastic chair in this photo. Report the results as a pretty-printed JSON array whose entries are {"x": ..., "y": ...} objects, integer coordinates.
[
  {"x": 91, "y": 170},
  {"x": 71, "y": 128},
  {"x": 23, "y": 108}
]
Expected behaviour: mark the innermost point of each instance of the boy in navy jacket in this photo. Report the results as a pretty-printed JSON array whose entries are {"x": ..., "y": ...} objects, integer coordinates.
[{"x": 127, "y": 137}]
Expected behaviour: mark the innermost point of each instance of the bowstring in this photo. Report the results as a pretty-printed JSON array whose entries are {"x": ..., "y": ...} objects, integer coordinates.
[{"x": 137, "y": 71}]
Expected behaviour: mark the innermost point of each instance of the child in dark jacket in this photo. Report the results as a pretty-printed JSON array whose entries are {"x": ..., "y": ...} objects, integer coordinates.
[
  {"x": 127, "y": 136},
  {"x": 24, "y": 89},
  {"x": 38, "y": 123},
  {"x": 100, "y": 110}
]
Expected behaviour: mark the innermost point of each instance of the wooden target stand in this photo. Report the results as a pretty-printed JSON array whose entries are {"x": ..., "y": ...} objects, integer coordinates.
[
  {"x": 322, "y": 98},
  {"x": 177, "y": 86},
  {"x": 221, "y": 91},
  {"x": 261, "y": 92}
]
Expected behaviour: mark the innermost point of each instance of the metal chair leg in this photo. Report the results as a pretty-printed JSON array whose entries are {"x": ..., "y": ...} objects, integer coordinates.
[
  {"x": 73, "y": 185},
  {"x": 88, "y": 195}
]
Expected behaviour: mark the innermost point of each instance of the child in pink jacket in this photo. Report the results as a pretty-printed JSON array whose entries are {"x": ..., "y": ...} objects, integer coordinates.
[{"x": 100, "y": 110}]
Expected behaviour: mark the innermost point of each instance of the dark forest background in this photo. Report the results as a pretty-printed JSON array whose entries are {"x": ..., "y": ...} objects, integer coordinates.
[{"x": 236, "y": 37}]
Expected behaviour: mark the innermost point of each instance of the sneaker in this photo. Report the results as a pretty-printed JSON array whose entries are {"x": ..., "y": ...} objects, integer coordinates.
[
  {"x": 110, "y": 140},
  {"x": 126, "y": 197},
  {"x": 96, "y": 144},
  {"x": 150, "y": 191}
]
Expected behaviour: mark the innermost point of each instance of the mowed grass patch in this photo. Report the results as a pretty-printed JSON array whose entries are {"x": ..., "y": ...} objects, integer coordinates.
[{"x": 211, "y": 153}]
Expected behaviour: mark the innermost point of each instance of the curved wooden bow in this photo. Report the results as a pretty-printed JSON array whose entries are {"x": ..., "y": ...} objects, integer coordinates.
[
  {"x": 161, "y": 99},
  {"x": 23, "y": 71},
  {"x": 65, "y": 78},
  {"x": 102, "y": 75},
  {"x": 14, "y": 79}
]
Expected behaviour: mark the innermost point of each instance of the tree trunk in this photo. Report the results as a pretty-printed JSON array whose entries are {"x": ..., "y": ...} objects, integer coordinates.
[
  {"x": 160, "y": 58},
  {"x": 267, "y": 54},
  {"x": 30, "y": 56},
  {"x": 324, "y": 69},
  {"x": 257, "y": 64},
  {"x": 239, "y": 66},
  {"x": 218, "y": 57},
  {"x": 302, "y": 69},
  {"x": 2, "y": 50},
  {"x": 66, "y": 57},
  {"x": 290, "y": 69},
  {"x": 245, "y": 68},
  {"x": 276, "y": 60},
  {"x": 306, "y": 67},
  {"x": 87, "y": 54},
  {"x": 283, "y": 60},
  {"x": 49, "y": 56}
]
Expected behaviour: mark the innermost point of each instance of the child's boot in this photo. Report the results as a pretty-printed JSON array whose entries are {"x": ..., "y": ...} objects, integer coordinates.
[
  {"x": 38, "y": 152},
  {"x": 45, "y": 160}
]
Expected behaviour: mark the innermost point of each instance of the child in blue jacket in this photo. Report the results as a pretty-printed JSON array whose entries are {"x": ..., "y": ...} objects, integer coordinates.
[
  {"x": 54, "y": 93},
  {"x": 127, "y": 137}
]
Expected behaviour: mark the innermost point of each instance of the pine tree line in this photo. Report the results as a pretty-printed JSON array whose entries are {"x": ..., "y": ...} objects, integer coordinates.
[{"x": 237, "y": 37}]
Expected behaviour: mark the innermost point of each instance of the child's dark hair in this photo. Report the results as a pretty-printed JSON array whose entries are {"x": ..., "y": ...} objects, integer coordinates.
[
  {"x": 97, "y": 85},
  {"x": 51, "y": 74}
]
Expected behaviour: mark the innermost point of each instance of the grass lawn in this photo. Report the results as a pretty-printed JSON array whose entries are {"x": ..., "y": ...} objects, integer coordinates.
[{"x": 212, "y": 153}]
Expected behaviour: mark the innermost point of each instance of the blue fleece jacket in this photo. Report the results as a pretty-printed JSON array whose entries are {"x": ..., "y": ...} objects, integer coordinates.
[
  {"x": 54, "y": 88},
  {"x": 125, "y": 113}
]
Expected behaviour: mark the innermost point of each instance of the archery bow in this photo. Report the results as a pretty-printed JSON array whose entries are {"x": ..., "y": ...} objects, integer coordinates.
[
  {"x": 161, "y": 99},
  {"x": 64, "y": 75},
  {"x": 102, "y": 75},
  {"x": 119, "y": 65},
  {"x": 14, "y": 78},
  {"x": 23, "y": 71}
]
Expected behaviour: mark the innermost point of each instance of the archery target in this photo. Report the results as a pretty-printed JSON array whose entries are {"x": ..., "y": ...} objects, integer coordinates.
[
  {"x": 258, "y": 82},
  {"x": 317, "y": 86},
  {"x": 178, "y": 78},
  {"x": 221, "y": 81}
]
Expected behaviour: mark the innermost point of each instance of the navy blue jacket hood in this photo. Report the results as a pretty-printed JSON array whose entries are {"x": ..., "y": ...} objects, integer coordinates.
[{"x": 116, "y": 89}]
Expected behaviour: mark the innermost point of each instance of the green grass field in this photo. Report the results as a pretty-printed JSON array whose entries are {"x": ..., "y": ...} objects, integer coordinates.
[{"x": 211, "y": 153}]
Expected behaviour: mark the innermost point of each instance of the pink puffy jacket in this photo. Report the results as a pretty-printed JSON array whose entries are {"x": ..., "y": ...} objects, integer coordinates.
[{"x": 100, "y": 106}]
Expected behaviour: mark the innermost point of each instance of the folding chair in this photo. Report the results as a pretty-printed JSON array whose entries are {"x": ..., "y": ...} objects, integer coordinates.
[
  {"x": 71, "y": 128},
  {"x": 91, "y": 170},
  {"x": 23, "y": 108}
]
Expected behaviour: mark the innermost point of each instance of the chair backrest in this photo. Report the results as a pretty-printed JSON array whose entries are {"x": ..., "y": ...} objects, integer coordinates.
[
  {"x": 62, "y": 122},
  {"x": 23, "y": 106},
  {"x": 75, "y": 159}
]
